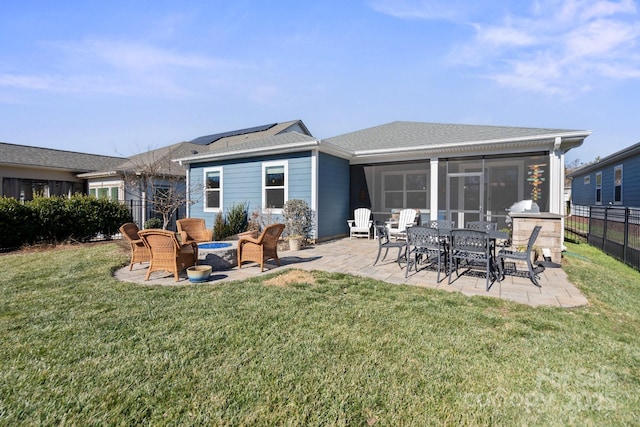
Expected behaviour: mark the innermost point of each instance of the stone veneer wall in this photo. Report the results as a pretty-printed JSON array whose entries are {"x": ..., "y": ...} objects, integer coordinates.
[{"x": 550, "y": 235}]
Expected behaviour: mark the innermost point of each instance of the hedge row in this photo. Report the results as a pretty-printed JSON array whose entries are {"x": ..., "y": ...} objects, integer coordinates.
[{"x": 59, "y": 219}]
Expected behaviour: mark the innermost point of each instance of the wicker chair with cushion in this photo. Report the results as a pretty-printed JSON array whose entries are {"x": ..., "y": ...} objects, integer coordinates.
[
  {"x": 139, "y": 252},
  {"x": 263, "y": 248},
  {"x": 193, "y": 230},
  {"x": 167, "y": 254}
]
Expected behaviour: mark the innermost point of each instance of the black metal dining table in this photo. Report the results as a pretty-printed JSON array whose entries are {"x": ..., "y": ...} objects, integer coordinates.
[{"x": 492, "y": 235}]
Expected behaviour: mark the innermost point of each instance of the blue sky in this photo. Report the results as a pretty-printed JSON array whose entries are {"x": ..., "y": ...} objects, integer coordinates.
[{"x": 118, "y": 78}]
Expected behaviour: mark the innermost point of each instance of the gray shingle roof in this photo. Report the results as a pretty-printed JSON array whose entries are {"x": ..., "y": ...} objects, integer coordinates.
[
  {"x": 159, "y": 160},
  {"x": 415, "y": 134},
  {"x": 209, "y": 139},
  {"x": 23, "y": 155},
  {"x": 250, "y": 134},
  {"x": 284, "y": 140}
]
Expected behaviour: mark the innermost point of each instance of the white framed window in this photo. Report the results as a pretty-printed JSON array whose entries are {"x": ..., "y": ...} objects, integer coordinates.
[
  {"x": 105, "y": 191},
  {"x": 213, "y": 200},
  {"x": 598, "y": 188},
  {"x": 587, "y": 180},
  {"x": 275, "y": 185},
  {"x": 617, "y": 185},
  {"x": 405, "y": 189}
]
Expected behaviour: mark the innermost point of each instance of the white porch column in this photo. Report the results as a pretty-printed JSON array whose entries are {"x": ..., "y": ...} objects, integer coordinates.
[
  {"x": 556, "y": 204},
  {"x": 433, "y": 201},
  {"x": 556, "y": 178}
]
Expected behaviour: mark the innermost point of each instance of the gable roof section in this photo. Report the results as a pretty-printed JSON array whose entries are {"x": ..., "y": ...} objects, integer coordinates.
[
  {"x": 158, "y": 160},
  {"x": 209, "y": 139},
  {"x": 284, "y": 142},
  {"x": 398, "y": 137},
  {"x": 227, "y": 139},
  {"x": 47, "y": 158}
]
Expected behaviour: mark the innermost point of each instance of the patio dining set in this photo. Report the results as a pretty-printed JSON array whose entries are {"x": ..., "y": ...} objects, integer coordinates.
[{"x": 479, "y": 246}]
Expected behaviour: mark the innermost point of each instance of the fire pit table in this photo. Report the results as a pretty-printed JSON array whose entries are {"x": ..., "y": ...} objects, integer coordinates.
[{"x": 219, "y": 255}]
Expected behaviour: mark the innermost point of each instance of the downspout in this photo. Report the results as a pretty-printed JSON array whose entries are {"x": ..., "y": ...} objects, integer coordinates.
[
  {"x": 188, "y": 193},
  {"x": 143, "y": 197},
  {"x": 556, "y": 186},
  {"x": 314, "y": 191}
]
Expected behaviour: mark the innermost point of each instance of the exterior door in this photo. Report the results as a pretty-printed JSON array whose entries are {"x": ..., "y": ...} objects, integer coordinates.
[{"x": 465, "y": 197}]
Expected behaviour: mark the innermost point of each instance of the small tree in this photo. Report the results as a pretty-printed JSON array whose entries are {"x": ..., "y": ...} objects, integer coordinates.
[{"x": 159, "y": 182}]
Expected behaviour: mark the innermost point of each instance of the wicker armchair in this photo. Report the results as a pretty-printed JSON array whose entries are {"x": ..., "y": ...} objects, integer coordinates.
[
  {"x": 167, "y": 254},
  {"x": 261, "y": 249},
  {"x": 193, "y": 230},
  {"x": 139, "y": 252}
]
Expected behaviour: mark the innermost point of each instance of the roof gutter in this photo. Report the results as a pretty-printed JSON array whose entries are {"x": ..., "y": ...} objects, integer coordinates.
[
  {"x": 276, "y": 149},
  {"x": 553, "y": 140},
  {"x": 98, "y": 174}
]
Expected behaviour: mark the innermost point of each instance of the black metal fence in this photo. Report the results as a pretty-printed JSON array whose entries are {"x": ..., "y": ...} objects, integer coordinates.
[{"x": 615, "y": 230}]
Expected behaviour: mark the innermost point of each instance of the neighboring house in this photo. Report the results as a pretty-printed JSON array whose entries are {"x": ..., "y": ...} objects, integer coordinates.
[
  {"x": 459, "y": 172},
  {"x": 613, "y": 180},
  {"x": 143, "y": 179},
  {"x": 26, "y": 171}
]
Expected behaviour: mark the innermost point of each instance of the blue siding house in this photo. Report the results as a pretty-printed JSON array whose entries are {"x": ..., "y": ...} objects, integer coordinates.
[
  {"x": 265, "y": 172},
  {"x": 612, "y": 181},
  {"x": 450, "y": 171}
]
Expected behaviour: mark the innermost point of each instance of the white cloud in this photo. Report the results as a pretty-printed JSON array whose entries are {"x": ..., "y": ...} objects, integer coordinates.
[
  {"x": 551, "y": 46},
  {"x": 449, "y": 10},
  {"x": 560, "y": 47},
  {"x": 504, "y": 36},
  {"x": 601, "y": 37},
  {"x": 118, "y": 67}
]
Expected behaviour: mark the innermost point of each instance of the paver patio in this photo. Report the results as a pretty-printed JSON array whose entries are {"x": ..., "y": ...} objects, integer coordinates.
[{"x": 356, "y": 257}]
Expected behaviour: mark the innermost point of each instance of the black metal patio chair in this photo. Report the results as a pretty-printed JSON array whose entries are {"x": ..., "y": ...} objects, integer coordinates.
[
  {"x": 474, "y": 248},
  {"x": 384, "y": 242},
  {"x": 441, "y": 223},
  {"x": 482, "y": 225},
  {"x": 424, "y": 244},
  {"x": 512, "y": 253}
]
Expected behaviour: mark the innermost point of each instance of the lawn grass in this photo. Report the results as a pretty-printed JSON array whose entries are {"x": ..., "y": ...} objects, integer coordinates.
[{"x": 80, "y": 348}]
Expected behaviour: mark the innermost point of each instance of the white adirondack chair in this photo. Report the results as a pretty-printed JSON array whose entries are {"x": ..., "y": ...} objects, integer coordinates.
[
  {"x": 406, "y": 219},
  {"x": 360, "y": 226}
]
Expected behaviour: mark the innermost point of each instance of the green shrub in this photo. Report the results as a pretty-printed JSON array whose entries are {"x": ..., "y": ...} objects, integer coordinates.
[
  {"x": 110, "y": 216},
  {"x": 237, "y": 219},
  {"x": 59, "y": 219},
  {"x": 153, "y": 223},
  {"x": 15, "y": 223},
  {"x": 84, "y": 212},
  {"x": 53, "y": 223},
  {"x": 220, "y": 229}
]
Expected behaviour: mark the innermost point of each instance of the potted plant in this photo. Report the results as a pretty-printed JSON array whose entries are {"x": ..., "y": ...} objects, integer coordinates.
[{"x": 297, "y": 219}]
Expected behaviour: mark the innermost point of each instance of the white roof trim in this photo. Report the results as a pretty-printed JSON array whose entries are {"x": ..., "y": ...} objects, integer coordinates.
[{"x": 465, "y": 146}]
